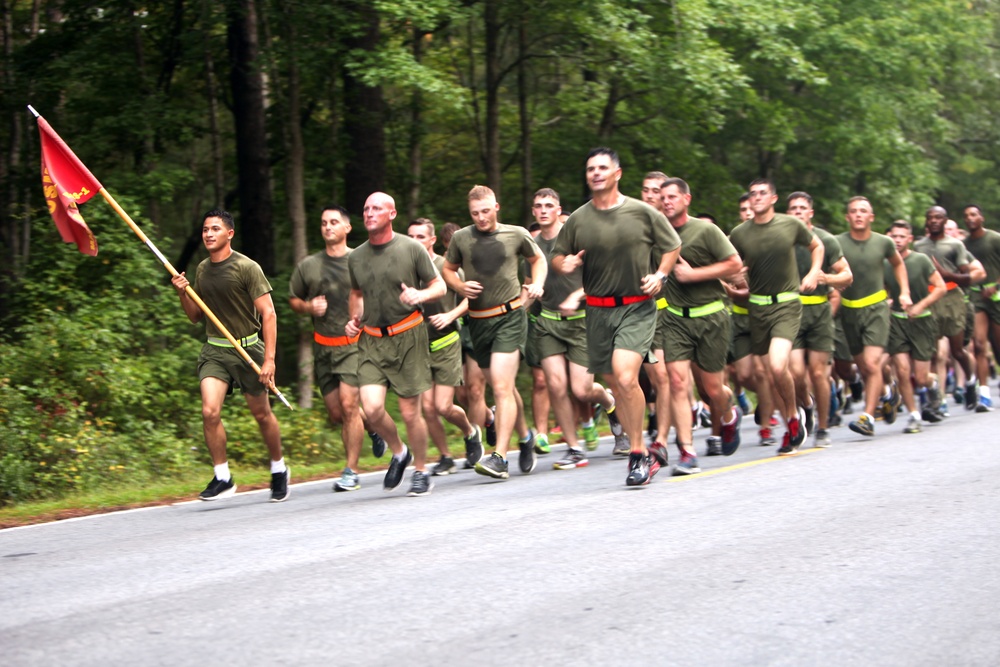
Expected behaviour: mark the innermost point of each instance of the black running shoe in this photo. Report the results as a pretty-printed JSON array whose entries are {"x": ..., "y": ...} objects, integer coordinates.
[
  {"x": 491, "y": 428},
  {"x": 971, "y": 397},
  {"x": 638, "y": 470},
  {"x": 574, "y": 458},
  {"x": 378, "y": 444},
  {"x": 279, "y": 485},
  {"x": 217, "y": 489},
  {"x": 527, "y": 459},
  {"x": 714, "y": 446},
  {"x": 420, "y": 484},
  {"x": 857, "y": 388},
  {"x": 473, "y": 447},
  {"x": 810, "y": 413},
  {"x": 445, "y": 466},
  {"x": 493, "y": 466},
  {"x": 394, "y": 475}
]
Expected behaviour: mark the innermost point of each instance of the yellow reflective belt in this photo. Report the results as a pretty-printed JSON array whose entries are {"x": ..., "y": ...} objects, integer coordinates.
[
  {"x": 870, "y": 300},
  {"x": 740, "y": 310},
  {"x": 698, "y": 311},
  {"x": 661, "y": 303},
  {"x": 246, "y": 341},
  {"x": 813, "y": 299},
  {"x": 903, "y": 316},
  {"x": 553, "y": 315},
  {"x": 771, "y": 299},
  {"x": 444, "y": 341}
]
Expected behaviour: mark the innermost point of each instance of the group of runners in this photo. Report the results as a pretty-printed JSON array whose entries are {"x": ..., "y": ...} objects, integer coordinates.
[{"x": 639, "y": 293}]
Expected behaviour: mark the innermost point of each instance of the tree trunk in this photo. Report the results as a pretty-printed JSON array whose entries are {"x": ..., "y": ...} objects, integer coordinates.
[
  {"x": 212, "y": 95},
  {"x": 522, "y": 106},
  {"x": 364, "y": 117},
  {"x": 492, "y": 16},
  {"x": 256, "y": 223},
  {"x": 416, "y": 136}
]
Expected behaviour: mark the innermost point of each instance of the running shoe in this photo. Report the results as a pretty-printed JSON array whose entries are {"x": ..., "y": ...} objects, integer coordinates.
[
  {"x": 491, "y": 427},
  {"x": 766, "y": 439},
  {"x": 688, "y": 464},
  {"x": 985, "y": 404},
  {"x": 394, "y": 475},
  {"x": 378, "y": 444},
  {"x": 445, "y": 466},
  {"x": 659, "y": 452},
  {"x": 705, "y": 416},
  {"x": 616, "y": 426},
  {"x": 797, "y": 430},
  {"x": 863, "y": 425},
  {"x": 959, "y": 396},
  {"x": 574, "y": 458},
  {"x": 744, "y": 402},
  {"x": 930, "y": 415},
  {"x": 420, "y": 484},
  {"x": 473, "y": 447},
  {"x": 279, "y": 485},
  {"x": 713, "y": 446},
  {"x": 787, "y": 447},
  {"x": 622, "y": 446},
  {"x": 730, "y": 440},
  {"x": 591, "y": 438},
  {"x": 822, "y": 438},
  {"x": 889, "y": 407},
  {"x": 542, "y": 444},
  {"x": 217, "y": 489},
  {"x": 527, "y": 459},
  {"x": 651, "y": 427},
  {"x": 638, "y": 470},
  {"x": 913, "y": 425},
  {"x": 348, "y": 481},
  {"x": 834, "y": 419},
  {"x": 493, "y": 466},
  {"x": 810, "y": 417},
  {"x": 857, "y": 388}
]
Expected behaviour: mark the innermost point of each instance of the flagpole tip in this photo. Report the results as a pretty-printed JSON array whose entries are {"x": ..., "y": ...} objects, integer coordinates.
[{"x": 32, "y": 110}]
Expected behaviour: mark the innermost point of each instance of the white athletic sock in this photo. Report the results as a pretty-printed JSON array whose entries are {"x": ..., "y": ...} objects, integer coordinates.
[
  {"x": 984, "y": 390},
  {"x": 402, "y": 454},
  {"x": 222, "y": 472},
  {"x": 278, "y": 466},
  {"x": 588, "y": 424}
]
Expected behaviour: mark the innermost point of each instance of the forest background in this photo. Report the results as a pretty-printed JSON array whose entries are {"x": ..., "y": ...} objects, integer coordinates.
[{"x": 275, "y": 108}]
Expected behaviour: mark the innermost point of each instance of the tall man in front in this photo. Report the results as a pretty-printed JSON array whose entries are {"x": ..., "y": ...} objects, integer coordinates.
[
  {"x": 394, "y": 351},
  {"x": 613, "y": 238},
  {"x": 489, "y": 253},
  {"x": 984, "y": 245},
  {"x": 864, "y": 311},
  {"x": 233, "y": 286},
  {"x": 767, "y": 244}
]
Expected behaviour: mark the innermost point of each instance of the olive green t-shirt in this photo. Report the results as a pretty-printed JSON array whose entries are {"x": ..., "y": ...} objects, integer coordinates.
[
  {"x": 702, "y": 244},
  {"x": 831, "y": 254},
  {"x": 987, "y": 250},
  {"x": 442, "y": 305},
  {"x": 558, "y": 286},
  {"x": 491, "y": 259},
  {"x": 379, "y": 271},
  {"x": 620, "y": 244},
  {"x": 229, "y": 289},
  {"x": 919, "y": 269},
  {"x": 950, "y": 253},
  {"x": 768, "y": 250},
  {"x": 322, "y": 275},
  {"x": 865, "y": 259}
]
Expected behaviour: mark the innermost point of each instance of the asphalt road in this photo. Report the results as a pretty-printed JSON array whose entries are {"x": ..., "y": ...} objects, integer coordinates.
[{"x": 876, "y": 551}]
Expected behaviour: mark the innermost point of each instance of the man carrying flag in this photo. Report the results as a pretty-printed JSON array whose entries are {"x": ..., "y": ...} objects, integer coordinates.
[{"x": 234, "y": 286}]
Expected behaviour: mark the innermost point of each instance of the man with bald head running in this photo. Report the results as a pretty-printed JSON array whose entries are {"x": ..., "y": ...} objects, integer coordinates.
[{"x": 394, "y": 350}]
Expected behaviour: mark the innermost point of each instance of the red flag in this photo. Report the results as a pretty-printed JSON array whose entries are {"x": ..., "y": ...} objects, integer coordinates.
[{"x": 66, "y": 182}]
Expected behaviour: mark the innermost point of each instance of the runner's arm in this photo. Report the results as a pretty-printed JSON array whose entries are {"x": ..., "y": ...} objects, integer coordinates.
[{"x": 842, "y": 276}]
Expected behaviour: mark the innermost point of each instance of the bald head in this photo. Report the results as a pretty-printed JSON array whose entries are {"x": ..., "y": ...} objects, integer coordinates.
[
  {"x": 935, "y": 219},
  {"x": 379, "y": 212}
]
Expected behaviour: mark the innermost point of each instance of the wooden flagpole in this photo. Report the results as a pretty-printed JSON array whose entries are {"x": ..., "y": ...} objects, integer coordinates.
[{"x": 190, "y": 291}]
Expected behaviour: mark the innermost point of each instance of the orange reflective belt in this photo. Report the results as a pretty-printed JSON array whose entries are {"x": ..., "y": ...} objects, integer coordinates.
[
  {"x": 502, "y": 309},
  {"x": 413, "y": 319},
  {"x": 334, "y": 341}
]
